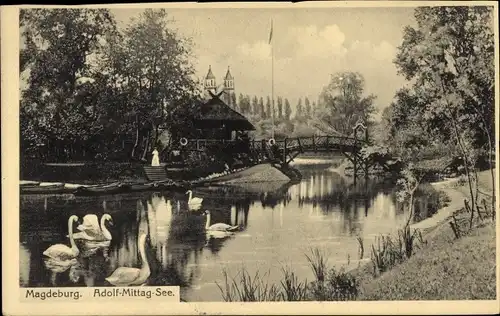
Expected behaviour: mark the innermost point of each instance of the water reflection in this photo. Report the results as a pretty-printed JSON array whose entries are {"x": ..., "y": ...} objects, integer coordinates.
[{"x": 277, "y": 221}]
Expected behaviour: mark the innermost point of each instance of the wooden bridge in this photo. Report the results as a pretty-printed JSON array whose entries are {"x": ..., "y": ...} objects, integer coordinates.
[
  {"x": 289, "y": 148},
  {"x": 286, "y": 150}
]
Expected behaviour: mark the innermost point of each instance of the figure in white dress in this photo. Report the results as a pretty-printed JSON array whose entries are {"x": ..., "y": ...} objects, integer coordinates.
[{"x": 156, "y": 160}]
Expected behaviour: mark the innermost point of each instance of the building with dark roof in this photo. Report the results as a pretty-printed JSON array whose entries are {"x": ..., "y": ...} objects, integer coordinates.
[{"x": 214, "y": 119}]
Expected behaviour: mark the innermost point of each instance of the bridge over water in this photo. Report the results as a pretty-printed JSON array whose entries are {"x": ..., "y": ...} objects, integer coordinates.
[{"x": 284, "y": 151}]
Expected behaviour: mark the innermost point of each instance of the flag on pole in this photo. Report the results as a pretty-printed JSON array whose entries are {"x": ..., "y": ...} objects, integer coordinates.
[{"x": 271, "y": 32}]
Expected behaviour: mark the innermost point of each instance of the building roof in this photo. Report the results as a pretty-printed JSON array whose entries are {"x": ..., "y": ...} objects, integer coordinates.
[
  {"x": 215, "y": 113},
  {"x": 228, "y": 75},
  {"x": 210, "y": 74}
]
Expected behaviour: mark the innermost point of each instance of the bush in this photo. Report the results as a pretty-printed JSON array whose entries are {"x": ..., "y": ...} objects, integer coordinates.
[{"x": 338, "y": 286}]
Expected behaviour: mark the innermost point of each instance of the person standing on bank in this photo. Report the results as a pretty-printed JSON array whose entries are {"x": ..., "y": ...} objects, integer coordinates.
[{"x": 156, "y": 159}]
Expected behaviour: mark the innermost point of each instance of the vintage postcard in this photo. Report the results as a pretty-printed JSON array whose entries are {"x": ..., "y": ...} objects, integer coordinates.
[{"x": 250, "y": 158}]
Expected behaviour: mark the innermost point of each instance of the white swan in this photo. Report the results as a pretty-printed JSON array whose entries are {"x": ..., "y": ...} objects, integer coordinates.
[
  {"x": 194, "y": 207},
  {"x": 219, "y": 234},
  {"x": 125, "y": 276},
  {"x": 192, "y": 201},
  {"x": 221, "y": 227},
  {"x": 62, "y": 252},
  {"x": 91, "y": 230}
]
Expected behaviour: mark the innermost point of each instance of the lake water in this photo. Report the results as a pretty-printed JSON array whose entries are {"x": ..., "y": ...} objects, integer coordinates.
[{"x": 279, "y": 224}]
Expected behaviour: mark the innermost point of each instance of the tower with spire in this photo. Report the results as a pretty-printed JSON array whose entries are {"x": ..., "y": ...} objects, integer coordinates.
[
  {"x": 210, "y": 84},
  {"x": 228, "y": 87}
]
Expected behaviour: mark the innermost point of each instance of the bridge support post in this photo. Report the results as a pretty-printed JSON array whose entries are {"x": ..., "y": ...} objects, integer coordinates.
[
  {"x": 355, "y": 167},
  {"x": 355, "y": 154},
  {"x": 284, "y": 152}
]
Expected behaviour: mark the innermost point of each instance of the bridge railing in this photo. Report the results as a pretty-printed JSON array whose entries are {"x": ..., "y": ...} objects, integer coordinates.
[
  {"x": 318, "y": 142},
  {"x": 203, "y": 144},
  {"x": 262, "y": 149}
]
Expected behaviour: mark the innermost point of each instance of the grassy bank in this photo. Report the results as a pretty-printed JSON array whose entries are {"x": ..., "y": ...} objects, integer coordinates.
[
  {"x": 438, "y": 261},
  {"x": 446, "y": 267}
]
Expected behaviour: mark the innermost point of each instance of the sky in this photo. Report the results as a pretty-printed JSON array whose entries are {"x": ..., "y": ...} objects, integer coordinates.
[{"x": 309, "y": 45}]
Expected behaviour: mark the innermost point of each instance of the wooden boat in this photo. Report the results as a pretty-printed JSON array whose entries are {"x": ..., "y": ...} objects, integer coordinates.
[
  {"x": 113, "y": 188},
  {"x": 169, "y": 184},
  {"x": 140, "y": 187},
  {"x": 57, "y": 188},
  {"x": 26, "y": 183}
]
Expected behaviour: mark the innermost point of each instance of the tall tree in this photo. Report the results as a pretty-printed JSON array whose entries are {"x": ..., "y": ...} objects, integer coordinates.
[
  {"x": 280, "y": 108},
  {"x": 300, "y": 109},
  {"x": 262, "y": 110},
  {"x": 288, "y": 110},
  {"x": 255, "y": 106},
  {"x": 248, "y": 104},
  {"x": 241, "y": 103},
  {"x": 449, "y": 58},
  {"x": 343, "y": 104},
  {"x": 158, "y": 73},
  {"x": 57, "y": 46},
  {"x": 268, "y": 108},
  {"x": 307, "y": 104}
]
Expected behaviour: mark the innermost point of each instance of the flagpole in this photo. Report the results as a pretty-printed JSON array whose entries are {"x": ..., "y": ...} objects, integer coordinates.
[{"x": 272, "y": 80}]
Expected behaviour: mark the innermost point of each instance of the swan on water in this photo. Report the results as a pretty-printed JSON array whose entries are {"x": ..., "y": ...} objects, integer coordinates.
[
  {"x": 194, "y": 207},
  {"x": 193, "y": 200},
  {"x": 125, "y": 276},
  {"x": 91, "y": 230},
  {"x": 218, "y": 234},
  {"x": 221, "y": 227},
  {"x": 62, "y": 252}
]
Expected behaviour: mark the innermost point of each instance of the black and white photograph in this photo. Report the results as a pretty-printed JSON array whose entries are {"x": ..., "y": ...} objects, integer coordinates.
[{"x": 253, "y": 153}]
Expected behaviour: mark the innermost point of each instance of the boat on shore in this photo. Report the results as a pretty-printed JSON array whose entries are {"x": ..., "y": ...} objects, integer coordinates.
[
  {"x": 106, "y": 189},
  {"x": 257, "y": 173},
  {"x": 57, "y": 188},
  {"x": 112, "y": 188}
]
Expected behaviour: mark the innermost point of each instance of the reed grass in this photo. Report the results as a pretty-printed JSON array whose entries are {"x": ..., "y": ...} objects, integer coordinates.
[
  {"x": 318, "y": 263},
  {"x": 328, "y": 285},
  {"x": 388, "y": 252},
  {"x": 247, "y": 288},
  {"x": 292, "y": 288}
]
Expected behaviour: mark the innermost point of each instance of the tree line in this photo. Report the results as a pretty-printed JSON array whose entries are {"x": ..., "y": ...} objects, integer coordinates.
[
  {"x": 95, "y": 91},
  {"x": 255, "y": 107}
]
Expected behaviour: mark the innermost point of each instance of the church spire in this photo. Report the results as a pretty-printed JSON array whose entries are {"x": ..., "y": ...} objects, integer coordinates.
[
  {"x": 210, "y": 79},
  {"x": 228, "y": 80}
]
